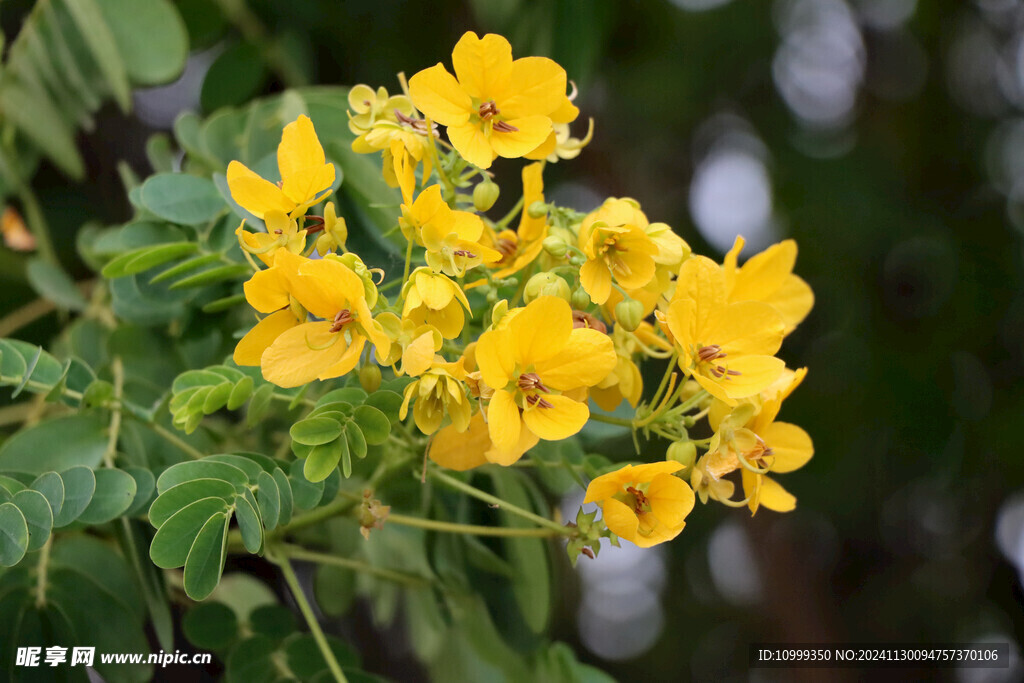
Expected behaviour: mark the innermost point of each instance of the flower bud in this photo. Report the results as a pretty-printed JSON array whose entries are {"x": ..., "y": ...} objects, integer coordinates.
[
  {"x": 555, "y": 246},
  {"x": 629, "y": 313},
  {"x": 369, "y": 378},
  {"x": 684, "y": 452},
  {"x": 580, "y": 299},
  {"x": 485, "y": 194},
  {"x": 498, "y": 312},
  {"x": 546, "y": 284},
  {"x": 537, "y": 210}
]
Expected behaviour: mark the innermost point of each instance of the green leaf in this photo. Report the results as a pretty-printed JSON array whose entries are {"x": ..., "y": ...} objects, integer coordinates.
[
  {"x": 268, "y": 496},
  {"x": 305, "y": 494},
  {"x": 200, "y": 469},
  {"x": 100, "y": 40},
  {"x": 315, "y": 431},
  {"x": 42, "y": 124},
  {"x": 205, "y": 560},
  {"x": 374, "y": 424},
  {"x": 272, "y": 621},
  {"x": 150, "y": 36},
  {"x": 240, "y": 393},
  {"x": 13, "y": 535},
  {"x": 79, "y": 485},
  {"x": 234, "y": 77},
  {"x": 174, "y": 538},
  {"x": 51, "y": 282},
  {"x": 115, "y": 491},
  {"x": 186, "y": 266},
  {"x": 323, "y": 459},
  {"x": 355, "y": 440},
  {"x": 217, "y": 398},
  {"x": 353, "y": 395},
  {"x": 182, "y": 198},
  {"x": 258, "y": 405},
  {"x": 251, "y": 468},
  {"x": 388, "y": 402},
  {"x": 20, "y": 360},
  {"x": 211, "y": 276},
  {"x": 285, "y": 489},
  {"x": 210, "y": 625},
  {"x": 145, "y": 487},
  {"x": 177, "y": 497},
  {"x": 38, "y": 516},
  {"x": 56, "y": 445},
  {"x": 52, "y": 487},
  {"x": 346, "y": 452},
  {"x": 223, "y": 304},
  {"x": 305, "y": 659},
  {"x": 249, "y": 522},
  {"x": 144, "y": 258},
  {"x": 250, "y": 661}
]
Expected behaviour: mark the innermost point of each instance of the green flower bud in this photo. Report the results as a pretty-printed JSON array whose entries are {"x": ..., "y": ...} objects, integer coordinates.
[
  {"x": 546, "y": 284},
  {"x": 629, "y": 313},
  {"x": 684, "y": 452},
  {"x": 498, "y": 312},
  {"x": 580, "y": 299},
  {"x": 369, "y": 377},
  {"x": 485, "y": 194},
  {"x": 537, "y": 210},
  {"x": 555, "y": 246}
]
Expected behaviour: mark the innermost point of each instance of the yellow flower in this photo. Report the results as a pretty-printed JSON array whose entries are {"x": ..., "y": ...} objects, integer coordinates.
[
  {"x": 566, "y": 146},
  {"x": 538, "y": 365},
  {"x": 414, "y": 345},
  {"x": 644, "y": 504},
  {"x": 625, "y": 381},
  {"x": 727, "y": 347},
  {"x": 320, "y": 349},
  {"x": 305, "y": 175},
  {"x": 372, "y": 107},
  {"x": 439, "y": 391},
  {"x": 614, "y": 240},
  {"x": 769, "y": 277},
  {"x": 451, "y": 238},
  {"x": 708, "y": 485},
  {"x": 335, "y": 231},
  {"x": 519, "y": 248},
  {"x": 472, "y": 448},
  {"x": 496, "y": 106},
  {"x": 267, "y": 292},
  {"x": 282, "y": 231},
  {"x": 433, "y": 299}
]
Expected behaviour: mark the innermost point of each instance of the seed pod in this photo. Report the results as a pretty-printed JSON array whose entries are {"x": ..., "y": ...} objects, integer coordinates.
[
  {"x": 546, "y": 284},
  {"x": 684, "y": 452},
  {"x": 485, "y": 194},
  {"x": 580, "y": 299},
  {"x": 629, "y": 313},
  {"x": 555, "y": 246},
  {"x": 369, "y": 378}
]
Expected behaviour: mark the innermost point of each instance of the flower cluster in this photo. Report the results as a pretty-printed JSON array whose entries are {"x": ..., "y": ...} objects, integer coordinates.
[{"x": 507, "y": 334}]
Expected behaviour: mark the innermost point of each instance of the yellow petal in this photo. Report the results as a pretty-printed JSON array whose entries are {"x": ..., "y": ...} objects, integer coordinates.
[
  {"x": 436, "y": 290},
  {"x": 253, "y": 193},
  {"x": 671, "y": 499},
  {"x": 586, "y": 359},
  {"x": 300, "y": 149},
  {"x": 531, "y": 131},
  {"x": 437, "y": 94},
  {"x": 702, "y": 280},
  {"x": 564, "y": 418},
  {"x": 537, "y": 87},
  {"x": 348, "y": 360},
  {"x": 306, "y": 184},
  {"x": 290, "y": 362},
  {"x": 418, "y": 355},
  {"x": 596, "y": 280},
  {"x": 533, "y": 191},
  {"x": 266, "y": 290},
  {"x": 764, "y": 273},
  {"x": 622, "y": 521},
  {"x": 682, "y": 321},
  {"x": 608, "y": 484},
  {"x": 639, "y": 270},
  {"x": 748, "y": 327},
  {"x": 503, "y": 421},
  {"x": 793, "y": 300},
  {"x": 544, "y": 149},
  {"x": 774, "y": 497},
  {"x": 756, "y": 373},
  {"x": 483, "y": 65},
  {"x": 790, "y": 444},
  {"x": 511, "y": 455},
  {"x": 648, "y": 471},
  {"x": 469, "y": 140},
  {"x": 461, "y": 450},
  {"x": 327, "y": 286},
  {"x": 541, "y": 330},
  {"x": 250, "y": 348},
  {"x": 495, "y": 358},
  {"x": 448, "y": 321},
  {"x": 566, "y": 112}
]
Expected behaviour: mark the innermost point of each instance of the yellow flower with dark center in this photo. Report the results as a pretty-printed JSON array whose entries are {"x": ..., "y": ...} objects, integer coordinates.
[
  {"x": 335, "y": 231},
  {"x": 451, "y": 238},
  {"x": 305, "y": 175},
  {"x": 727, "y": 347},
  {"x": 282, "y": 231},
  {"x": 539, "y": 367},
  {"x": 617, "y": 247},
  {"x": 319, "y": 349},
  {"x": 493, "y": 106},
  {"x": 643, "y": 504},
  {"x": 472, "y": 448},
  {"x": 769, "y": 277},
  {"x": 433, "y": 299},
  {"x": 439, "y": 391}
]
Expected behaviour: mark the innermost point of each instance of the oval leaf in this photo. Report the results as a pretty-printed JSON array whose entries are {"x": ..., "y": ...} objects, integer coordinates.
[
  {"x": 171, "y": 544},
  {"x": 38, "y": 516},
  {"x": 79, "y": 485},
  {"x": 115, "y": 491},
  {"x": 13, "y": 535},
  {"x": 205, "y": 560}
]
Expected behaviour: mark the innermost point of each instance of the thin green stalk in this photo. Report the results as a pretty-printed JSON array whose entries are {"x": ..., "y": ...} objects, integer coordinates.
[
  {"x": 298, "y": 553},
  {"x": 469, "y": 529},
  {"x": 174, "y": 440},
  {"x": 503, "y": 504},
  {"x": 612, "y": 420},
  {"x": 333, "y": 509},
  {"x": 307, "y": 612},
  {"x": 664, "y": 380},
  {"x": 42, "y": 569},
  {"x": 117, "y": 368},
  {"x": 507, "y": 218}
]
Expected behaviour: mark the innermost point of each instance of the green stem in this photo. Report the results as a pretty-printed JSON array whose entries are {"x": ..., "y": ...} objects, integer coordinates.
[
  {"x": 333, "y": 509},
  {"x": 664, "y": 380},
  {"x": 174, "y": 440},
  {"x": 41, "y": 572},
  {"x": 117, "y": 368},
  {"x": 299, "y": 553},
  {"x": 436, "y": 159},
  {"x": 507, "y": 218},
  {"x": 504, "y": 505},
  {"x": 471, "y": 529},
  {"x": 612, "y": 420},
  {"x": 408, "y": 262},
  {"x": 307, "y": 612}
]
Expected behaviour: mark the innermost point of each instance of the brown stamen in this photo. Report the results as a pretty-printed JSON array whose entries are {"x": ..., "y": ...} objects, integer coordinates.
[
  {"x": 505, "y": 247},
  {"x": 418, "y": 125},
  {"x": 504, "y": 127},
  {"x": 641, "y": 499},
  {"x": 342, "y": 318},
  {"x": 488, "y": 109},
  {"x": 463, "y": 252},
  {"x": 536, "y": 401},
  {"x": 582, "y": 319},
  {"x": 529, "y": 381},
  {"x": 707, "y": 354}
]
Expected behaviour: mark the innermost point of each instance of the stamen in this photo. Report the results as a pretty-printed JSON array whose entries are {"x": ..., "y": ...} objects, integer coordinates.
[
  {"x": 582, "y": 319},
  {"x": 488, "y": 109},
  {"x": 342, "y": 318},
  {"x": 504, "y": 127},
  {"x": 536, "y": 401},
  {"x": 641, "y": 499},
  {"x": 709, "y": 353},
  {"x": 529, "y": 381},
  {"x": 463, "y": 252},
  {"x": 505, "y": 246}
]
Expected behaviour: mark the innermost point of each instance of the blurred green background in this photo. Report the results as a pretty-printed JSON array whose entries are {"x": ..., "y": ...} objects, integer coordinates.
[{"x": 886, "y": 137}]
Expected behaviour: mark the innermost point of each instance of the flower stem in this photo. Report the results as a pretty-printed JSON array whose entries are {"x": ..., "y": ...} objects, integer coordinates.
[
  {"x": 471, "y": 529},
  {"x": 298, "y": 553},
  {"x": 117, "y": 368},
  {"x": 281, "y": 560},
  {"x": 507, "y": 218},
  {"x": 504, "y": 505},
  {"x": 41, "y": 572},
  {"x": 612, "y": 420}
]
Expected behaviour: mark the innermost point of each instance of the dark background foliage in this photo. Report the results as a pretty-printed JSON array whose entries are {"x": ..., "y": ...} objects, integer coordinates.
[{"x": 885, "y": 137}]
